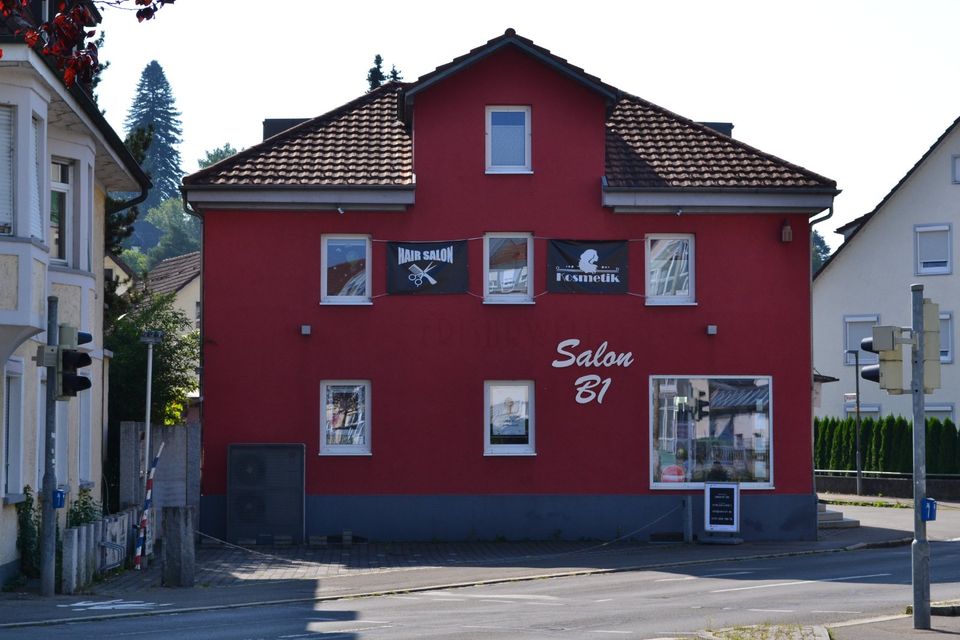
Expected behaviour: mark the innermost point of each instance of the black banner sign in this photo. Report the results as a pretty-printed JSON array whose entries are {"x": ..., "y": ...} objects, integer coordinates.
[
  {"x": 427, "y": 267},
  {"x": 575, "y": 266}
]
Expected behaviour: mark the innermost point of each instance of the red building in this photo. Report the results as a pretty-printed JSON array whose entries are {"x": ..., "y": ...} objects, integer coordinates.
[{"x": 622, "y": 313}]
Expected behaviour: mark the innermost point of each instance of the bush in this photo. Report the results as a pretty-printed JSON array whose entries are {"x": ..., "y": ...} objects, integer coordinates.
[
  {"x": 84, "y": 509},
  {"x": 28, "y": 535}
]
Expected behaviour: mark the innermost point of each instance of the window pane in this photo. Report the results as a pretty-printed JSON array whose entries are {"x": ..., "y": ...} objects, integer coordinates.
[
  {"x": 508, "y": 265},
  {"x": 711, "y": 429},
  {"x": 669, "y": 267},
  {"x": 509, "y": 414},
  {"x": 6, "y": 169},
  {"x": 347, "y": 267},
  {"x": 58, "y": 222},
  {"x": 946, "y": 338},
  {"x": 508, "y": 139},
  {"x": 857, "y": 330},
  {"x": 933, "y": 249},
  {"x": 345, "y": 415},
  {"x": 36, "y": 215}
]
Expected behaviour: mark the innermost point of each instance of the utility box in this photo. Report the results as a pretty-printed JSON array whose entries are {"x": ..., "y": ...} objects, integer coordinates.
[{"x": 928, "y": 509}]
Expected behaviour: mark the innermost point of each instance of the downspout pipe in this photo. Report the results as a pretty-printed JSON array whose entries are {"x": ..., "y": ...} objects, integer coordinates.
[{"x": 813, "y": 464}]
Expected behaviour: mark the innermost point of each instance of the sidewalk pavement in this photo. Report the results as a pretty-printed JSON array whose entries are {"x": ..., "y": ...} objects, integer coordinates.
[{"x": 231, "y": 577}]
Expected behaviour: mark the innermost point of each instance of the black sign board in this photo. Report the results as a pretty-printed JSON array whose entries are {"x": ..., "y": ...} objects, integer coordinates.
[
  {"x": 584, "y": 266},
  {"x": 427, "y": 267},
  {"x": 722, "y": 507}
]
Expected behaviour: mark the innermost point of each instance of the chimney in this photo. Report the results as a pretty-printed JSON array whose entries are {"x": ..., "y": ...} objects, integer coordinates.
[
  {"x": 726, "y": 128},
  {"x": 273, "y": 126}
]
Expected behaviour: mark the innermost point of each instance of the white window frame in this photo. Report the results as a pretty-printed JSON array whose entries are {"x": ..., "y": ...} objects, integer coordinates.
[
  {"x": 327, "y": 298},
  {"x": 940, "y": 407},
  {"x": 364, "y": 449},
  {"x": 491, "y": 449},
  {"x": 946, "y": 337},
  {"x": 66, "y": 225},
  {"x": 8, "y": 172},
  {"x": 490, "y": 297},
  {"x": 527, "y": 166},
  {"x": 690, "y": 298},
  {"x": 918, "y": 231},
  {"x": 12, "y": 424},
  {"x": 865, "y": 356},
  {"x": 37, "y": 154},
  {"x": 769, "y": 484},
  {"x": 850, "y": 408}
]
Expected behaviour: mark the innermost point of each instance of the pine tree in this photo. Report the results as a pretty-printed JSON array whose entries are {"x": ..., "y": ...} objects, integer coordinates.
[
  {"x": 153, "y": 106},
  {"x": 375, "y": 76},
  {"x": 866, "y": 444},
  {"x": 934, "y": 430},
  {"x": 395, "y": 74},
  {"x": 947, "y": 450}
]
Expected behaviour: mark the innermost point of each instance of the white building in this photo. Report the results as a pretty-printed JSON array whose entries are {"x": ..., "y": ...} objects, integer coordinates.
[
  {"x": 58, "y": 160},
  {"x": 908, "y": 238}
]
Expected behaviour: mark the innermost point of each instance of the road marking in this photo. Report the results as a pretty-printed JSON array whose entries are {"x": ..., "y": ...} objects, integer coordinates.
[
  {"x": 799, "y": 582},
  {"x": 709, "y": 575},
  {"x": 773, "y": 610},
  {"x": 605, "y": 600},
  {"x": 480, "y": 596},
  {"x": 123, "y": 605},
  {"x": 605, "y": 631},
  {"x": 830, "y": 611},
  {"x": 499, "y": 601},
  {"x": 404, "y": 597}
]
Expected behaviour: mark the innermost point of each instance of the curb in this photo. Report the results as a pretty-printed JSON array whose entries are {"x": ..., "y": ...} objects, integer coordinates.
[{"x": 455, "y": 585}]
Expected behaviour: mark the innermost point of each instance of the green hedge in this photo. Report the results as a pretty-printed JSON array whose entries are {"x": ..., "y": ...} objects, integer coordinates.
[{"x": 886, "y": 444}]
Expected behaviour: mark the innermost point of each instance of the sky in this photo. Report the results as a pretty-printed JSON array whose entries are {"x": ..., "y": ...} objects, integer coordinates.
[{"x": 854, "y": 90}]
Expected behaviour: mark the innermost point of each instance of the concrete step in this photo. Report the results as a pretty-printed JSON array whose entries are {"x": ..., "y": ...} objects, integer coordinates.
[
  {"x": 845, "y": 523},
  {"x": 829, "y": 516}
]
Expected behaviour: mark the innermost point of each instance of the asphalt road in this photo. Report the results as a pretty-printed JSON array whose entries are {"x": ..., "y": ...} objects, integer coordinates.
[{"x": 645, "y": 604}]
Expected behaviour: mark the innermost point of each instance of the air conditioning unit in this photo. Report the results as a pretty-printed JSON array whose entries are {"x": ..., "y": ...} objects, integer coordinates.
[{"x": 265, "y": 494}]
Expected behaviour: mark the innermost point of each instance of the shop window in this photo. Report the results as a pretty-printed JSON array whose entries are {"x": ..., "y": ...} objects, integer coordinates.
[
  {"x": 507, "y": 258},
  {"x": 508, "y": 139},
  {"x": 712, "y": 429},
  {"x": 345, "y": 263},
  {"x": 855, "y": 329},
  {"x": 508, "y": 418},
  {"x": 933, "y": 249},
  {"x": 345, "y": 417},
  {"x": 670, "y": 269}
]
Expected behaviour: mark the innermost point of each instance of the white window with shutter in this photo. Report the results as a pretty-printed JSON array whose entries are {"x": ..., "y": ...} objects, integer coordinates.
[
  {"x": 933, "y": 249},
  {"x": 7, "y": 140},
  {"x": 36, "y": 195}
]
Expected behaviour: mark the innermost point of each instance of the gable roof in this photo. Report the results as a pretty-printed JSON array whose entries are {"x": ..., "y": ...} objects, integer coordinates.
[
  {"x": 364, "y": 145},
  {"x": 858, "y": 224},
  {"x": 173, "y": 274}
]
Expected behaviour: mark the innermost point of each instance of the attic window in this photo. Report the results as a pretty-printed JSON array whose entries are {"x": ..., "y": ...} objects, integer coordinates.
[{"x": 508, "y": 140}]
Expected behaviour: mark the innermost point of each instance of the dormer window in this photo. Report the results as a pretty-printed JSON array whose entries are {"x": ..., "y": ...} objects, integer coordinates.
[{"x": 508, "y": 140}]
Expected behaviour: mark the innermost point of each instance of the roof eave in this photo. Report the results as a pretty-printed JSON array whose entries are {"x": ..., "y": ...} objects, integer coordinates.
[
  {"x": 734, "y": 200},
  {"x": 337, "y": 198}
]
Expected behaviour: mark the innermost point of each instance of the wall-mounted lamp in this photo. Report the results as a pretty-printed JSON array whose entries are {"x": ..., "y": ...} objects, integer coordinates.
[
  {"x": 786, "y": 232},
  {"x": 711, "y": 329},
  {"x": 305, "y": 329}
]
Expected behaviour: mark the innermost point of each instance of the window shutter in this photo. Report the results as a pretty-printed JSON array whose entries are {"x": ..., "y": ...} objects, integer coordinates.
[
  {"x": 934, "y": 248},
  {"x": 36, "y": 216},
  {"x": 6, "y": 169}
]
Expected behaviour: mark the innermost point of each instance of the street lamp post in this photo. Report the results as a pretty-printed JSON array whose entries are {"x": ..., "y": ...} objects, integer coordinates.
[
  {"x": 150, "y": 338},
  {"x": 856, "y": 379}
]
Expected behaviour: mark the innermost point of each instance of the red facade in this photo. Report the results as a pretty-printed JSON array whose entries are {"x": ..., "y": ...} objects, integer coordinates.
[{"x": 427, "y": 357}]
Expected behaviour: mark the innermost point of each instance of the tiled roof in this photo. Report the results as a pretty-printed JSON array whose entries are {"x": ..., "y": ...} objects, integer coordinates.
[
  {"x": 362, "y": 143},
  {"x": 365, "y": 144},
  {"x": 649, "y": 147},
  {"x": 173, "y": 274}
]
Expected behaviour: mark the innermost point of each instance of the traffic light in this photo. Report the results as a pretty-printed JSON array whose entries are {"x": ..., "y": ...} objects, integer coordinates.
[
  {"x": 931, "y": 346},
  {"x": 69, "y": 360},
  {"x": 889, "y": 373}
]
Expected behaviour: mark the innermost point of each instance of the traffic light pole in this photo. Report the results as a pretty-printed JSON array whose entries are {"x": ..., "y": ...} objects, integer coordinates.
[
  {"x": 920, "y": 549},
  {"x": 48, "y": 522}
]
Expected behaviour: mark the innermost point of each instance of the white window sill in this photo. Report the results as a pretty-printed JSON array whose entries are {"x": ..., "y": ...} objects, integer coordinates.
[
  {"x": 670, "y": 303},
  {"x": 744, "y": 486},
  {"x": 366, "y": 454},
  {"x": 938, "y": 272},
  {"x": 508, "y": 454},
  {"x": 346, "y": 303},
  {"x": 509, "y": 172},
  {"x": 509, "y": 301}
]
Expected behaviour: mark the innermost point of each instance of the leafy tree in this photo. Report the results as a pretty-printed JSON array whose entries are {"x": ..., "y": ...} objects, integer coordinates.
[
  {"x": 174, "y": 360},
  {"x": 216, "y": 155},
  {"x": 375, "y": 76},
  {"x": 137, "y": 261},
  {"x": 153, "y": 106},
  {"x": 819, "y": 250},
  {"x": 179, "y": 231},
  {"x": 64, "y": 37}
]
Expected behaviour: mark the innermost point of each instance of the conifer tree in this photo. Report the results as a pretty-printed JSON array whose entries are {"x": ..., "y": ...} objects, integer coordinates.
[
  {"x": 375, "y": 76},
  {"x": 153, "y": 106}
]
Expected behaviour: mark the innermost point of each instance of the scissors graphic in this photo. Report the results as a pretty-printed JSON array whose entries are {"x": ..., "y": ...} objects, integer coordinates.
[{"x": 419, "y": 274}]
